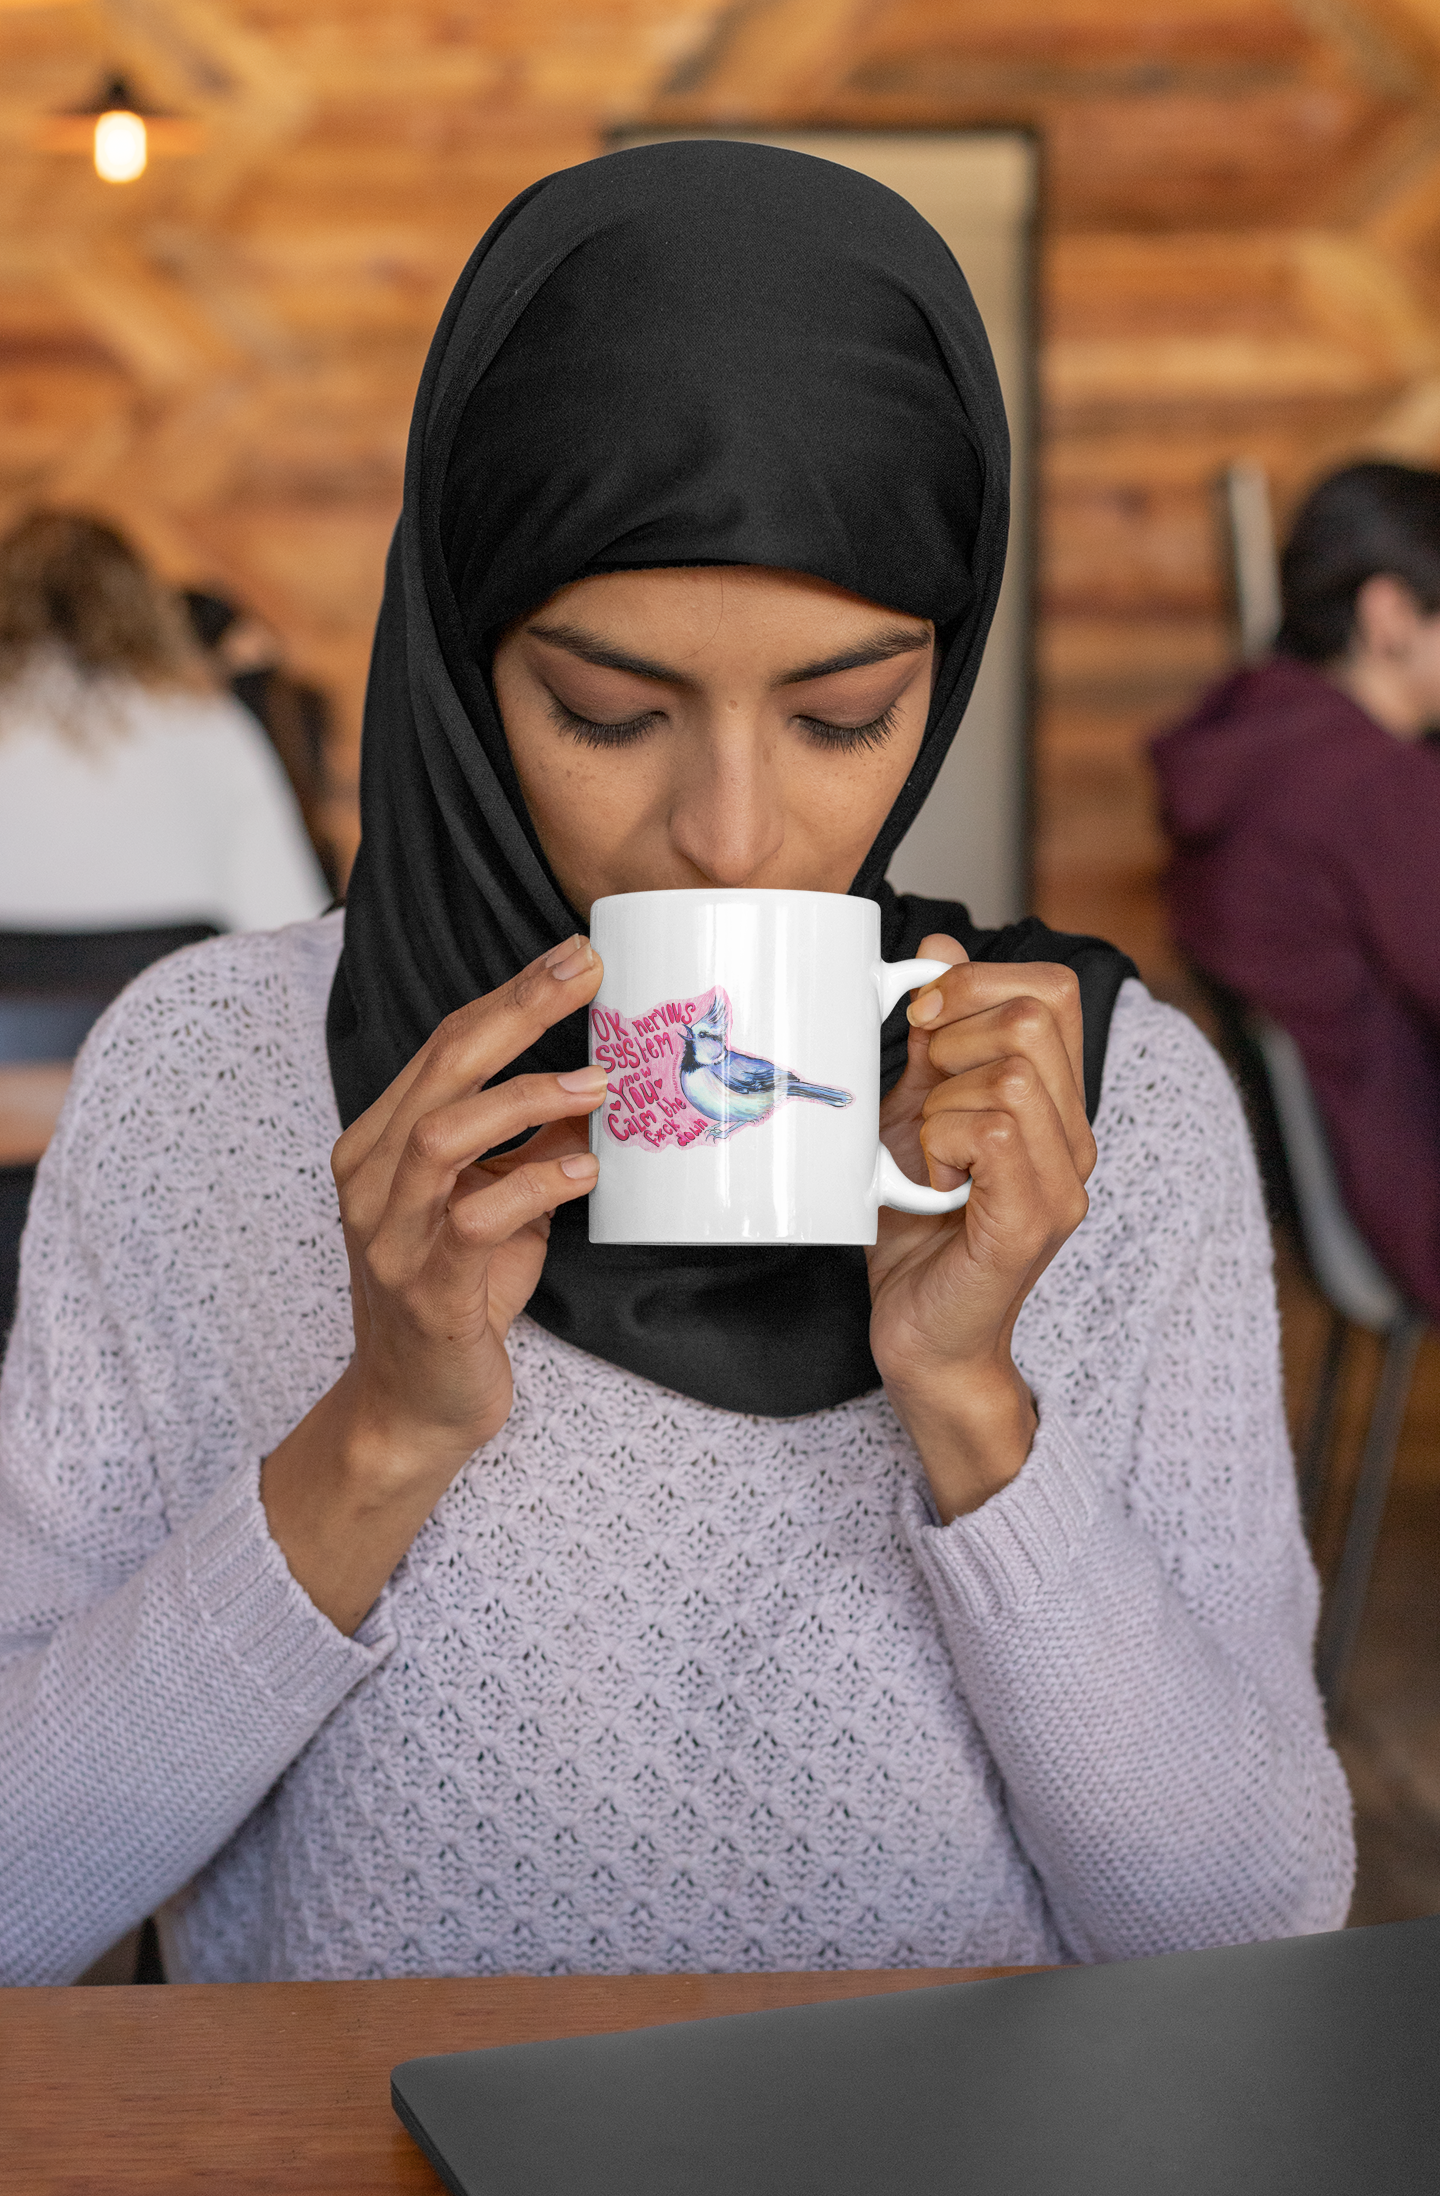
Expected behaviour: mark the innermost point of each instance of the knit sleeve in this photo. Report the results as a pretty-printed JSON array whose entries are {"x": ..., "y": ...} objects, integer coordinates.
[
  {"x": 159, "y": 1666},
  {"x": 1131, "y": 1618}
]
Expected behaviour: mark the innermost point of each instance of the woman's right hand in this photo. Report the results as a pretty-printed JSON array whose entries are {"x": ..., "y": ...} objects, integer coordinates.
[{"x": 445, "y": 1249}]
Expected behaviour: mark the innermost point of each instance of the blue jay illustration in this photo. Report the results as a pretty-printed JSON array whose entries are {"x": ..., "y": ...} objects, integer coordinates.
[{"x": 732, "y": 1089}]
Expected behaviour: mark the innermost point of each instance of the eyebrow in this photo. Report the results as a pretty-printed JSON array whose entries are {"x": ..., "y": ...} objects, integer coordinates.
[{"x": 896, "y": 640}]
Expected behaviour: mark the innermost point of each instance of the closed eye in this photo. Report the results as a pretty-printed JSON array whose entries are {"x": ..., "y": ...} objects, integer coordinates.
[
  {"x": 840, "y": 738},
  {"x": 593, "y": 732},
  {"x": 822, "y": 733}
]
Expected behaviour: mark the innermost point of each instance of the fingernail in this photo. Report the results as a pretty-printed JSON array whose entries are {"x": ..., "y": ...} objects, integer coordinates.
[
  {"x": 570, "y": 959},
  {"x": 591, "y": 1080},
  {"x": 579, "y": 1164},
  {"x": 925, "y": 1008}
]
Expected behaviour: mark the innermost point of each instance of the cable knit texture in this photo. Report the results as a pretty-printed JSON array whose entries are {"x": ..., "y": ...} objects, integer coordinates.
[{"x": 657, "y": 1687}]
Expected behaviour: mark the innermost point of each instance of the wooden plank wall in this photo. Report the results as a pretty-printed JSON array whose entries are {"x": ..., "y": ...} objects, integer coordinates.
[{"x": 1241, "y": 221}]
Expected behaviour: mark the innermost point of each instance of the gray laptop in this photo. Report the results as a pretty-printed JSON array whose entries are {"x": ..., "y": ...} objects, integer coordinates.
[{"x": 1309, "y": 2066}]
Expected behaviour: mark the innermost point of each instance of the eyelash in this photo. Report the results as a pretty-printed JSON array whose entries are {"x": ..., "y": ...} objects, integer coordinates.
[
  {"x": 846, "y": 738},
  {"x": 589, "y": 733},
  {"x": 835, "y": 738}
]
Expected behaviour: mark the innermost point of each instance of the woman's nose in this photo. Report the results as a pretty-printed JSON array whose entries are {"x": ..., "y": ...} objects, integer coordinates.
[{"x": 728, "y": 817}]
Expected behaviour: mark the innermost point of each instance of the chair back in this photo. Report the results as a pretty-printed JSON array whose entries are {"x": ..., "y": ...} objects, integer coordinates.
[
  {"x": 1340, "y": 1259},
  {"x": 1292, "y": 1150},
  {"x": 55, "y": 983},
  {"x": 1246, "y": 1063},
  {"x": 1253, "y": 558}
]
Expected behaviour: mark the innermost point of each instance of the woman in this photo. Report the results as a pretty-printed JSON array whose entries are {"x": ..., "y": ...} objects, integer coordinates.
[
  {"x": 1304, "y": 801},
  {"x": 652, "y": 1609},
  {"x": 131, "y": 793}
]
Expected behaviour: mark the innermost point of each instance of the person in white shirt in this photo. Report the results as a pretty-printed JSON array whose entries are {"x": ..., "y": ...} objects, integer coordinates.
[{"x": 132, "y": 794}]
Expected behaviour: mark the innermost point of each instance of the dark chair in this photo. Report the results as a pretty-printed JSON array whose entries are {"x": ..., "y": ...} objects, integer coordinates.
[
  {"x": 1302, "y": 1192},
  {"x": 53, "y": 985}
]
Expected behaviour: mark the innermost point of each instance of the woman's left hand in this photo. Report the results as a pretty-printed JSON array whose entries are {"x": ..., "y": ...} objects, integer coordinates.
[{"x": 993, "y": 1087}]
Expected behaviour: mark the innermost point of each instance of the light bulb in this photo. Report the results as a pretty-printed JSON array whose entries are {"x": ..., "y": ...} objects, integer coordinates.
[{"x": 120, "y": 147}]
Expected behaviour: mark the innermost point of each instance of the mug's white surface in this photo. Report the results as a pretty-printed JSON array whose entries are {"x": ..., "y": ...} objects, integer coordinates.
[{"x": 798, "y": 970}]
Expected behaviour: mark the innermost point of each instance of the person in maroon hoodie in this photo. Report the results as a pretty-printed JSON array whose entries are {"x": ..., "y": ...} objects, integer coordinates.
[{"x": 1303, "y": 799}]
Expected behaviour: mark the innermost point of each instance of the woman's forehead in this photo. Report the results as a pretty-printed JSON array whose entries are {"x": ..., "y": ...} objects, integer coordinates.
[{"x": 708, "y": 594}]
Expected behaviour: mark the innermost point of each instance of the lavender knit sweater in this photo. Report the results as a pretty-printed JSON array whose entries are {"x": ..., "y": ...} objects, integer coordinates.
[{"x": 657, "y": 1687}]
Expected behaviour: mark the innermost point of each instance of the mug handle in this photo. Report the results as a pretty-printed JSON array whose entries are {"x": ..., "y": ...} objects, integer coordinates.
[{"x": 895, "y": 1189}]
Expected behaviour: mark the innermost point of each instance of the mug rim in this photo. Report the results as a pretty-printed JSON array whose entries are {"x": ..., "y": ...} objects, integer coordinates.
[{"x": 710, "y": 893}]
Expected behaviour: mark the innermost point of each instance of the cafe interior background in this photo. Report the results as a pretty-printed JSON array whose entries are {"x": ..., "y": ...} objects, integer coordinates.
[{"x": 1236, "y": 261}]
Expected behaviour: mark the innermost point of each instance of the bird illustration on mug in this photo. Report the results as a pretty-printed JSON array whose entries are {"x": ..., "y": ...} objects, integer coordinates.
[{"x": 734, "y": 1089}]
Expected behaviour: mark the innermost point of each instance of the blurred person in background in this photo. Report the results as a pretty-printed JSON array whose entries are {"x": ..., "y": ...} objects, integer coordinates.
[
  {"x": 131, "y": 792},
  {"x": 1303, "y": 798},
  {"x": 248, "y": 656}
]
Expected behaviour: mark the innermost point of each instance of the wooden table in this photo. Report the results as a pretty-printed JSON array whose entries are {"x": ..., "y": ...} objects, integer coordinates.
[{"x": 264, "y": 2087}]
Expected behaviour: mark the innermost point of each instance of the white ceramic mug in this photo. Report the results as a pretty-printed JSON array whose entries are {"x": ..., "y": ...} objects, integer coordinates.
[{"x": 741, "y": 1035}]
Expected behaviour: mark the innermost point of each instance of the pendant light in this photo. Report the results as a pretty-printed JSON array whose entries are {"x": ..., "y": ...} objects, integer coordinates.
[
  {"x": 121, "y": 144},
  {"x": 119, "y": 133}
]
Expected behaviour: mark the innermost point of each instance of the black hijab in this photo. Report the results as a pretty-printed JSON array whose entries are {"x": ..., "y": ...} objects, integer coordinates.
[{"x": 692, "y": 353}]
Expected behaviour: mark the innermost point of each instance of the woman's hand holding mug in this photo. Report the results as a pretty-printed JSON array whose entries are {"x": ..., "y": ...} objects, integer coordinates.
[
  {"x": 445, "y": 1248},
  {"x": 741, "y": 1030},
  {"x": 446, "y": 1245},
  {"x": 993, "y": 1088}
]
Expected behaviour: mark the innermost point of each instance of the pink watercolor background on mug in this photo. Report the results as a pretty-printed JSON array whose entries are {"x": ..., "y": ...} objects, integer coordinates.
[{"x": 643, "y": 1058}]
